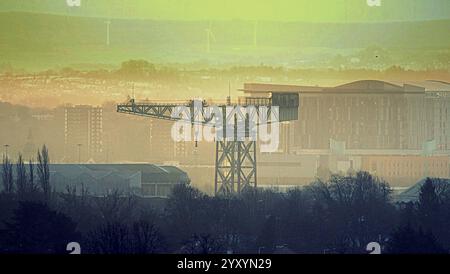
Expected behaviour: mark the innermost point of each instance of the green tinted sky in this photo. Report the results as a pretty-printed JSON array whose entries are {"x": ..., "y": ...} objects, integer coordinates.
[{"x": 274, "y": 10}]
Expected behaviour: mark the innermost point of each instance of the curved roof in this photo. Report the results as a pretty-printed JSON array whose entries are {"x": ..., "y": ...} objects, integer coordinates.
[
  {"x": 376, "y": 86},
  {"x": 369, "y": 85},
  {"x": 360, "y": 86}
]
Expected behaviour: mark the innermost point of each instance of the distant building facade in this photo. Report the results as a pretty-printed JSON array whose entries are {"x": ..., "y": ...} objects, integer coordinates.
[
  {"x": 404, "y": 168},
  {"x": 370, "y": 125},
  {"x": 83, "y": 133},
  {"x": 162, "y": 145},
  {"x": 163, "y": 148}
]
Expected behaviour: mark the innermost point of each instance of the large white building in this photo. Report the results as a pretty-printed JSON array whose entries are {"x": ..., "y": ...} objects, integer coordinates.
[{"x": 371, "y": 125}]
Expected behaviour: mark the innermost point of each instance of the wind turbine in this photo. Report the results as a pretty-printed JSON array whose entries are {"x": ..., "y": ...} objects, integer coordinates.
[
  {"x": 108, "y": 23},
  {"x": 209, "y": 36},
  {"x": 255, "y": 33}
]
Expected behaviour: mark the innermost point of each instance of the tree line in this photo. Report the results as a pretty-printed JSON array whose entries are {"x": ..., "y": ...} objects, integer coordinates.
[
  {"x": 143, "y": 70},
  {"x": 339, "y": 215}
]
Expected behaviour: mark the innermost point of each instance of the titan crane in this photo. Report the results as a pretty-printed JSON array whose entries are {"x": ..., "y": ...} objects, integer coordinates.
[{"x": 235, "y": 160}]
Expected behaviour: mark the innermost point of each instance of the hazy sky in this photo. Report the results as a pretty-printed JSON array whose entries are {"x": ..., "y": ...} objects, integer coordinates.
[{"x": 273, "y": 10}]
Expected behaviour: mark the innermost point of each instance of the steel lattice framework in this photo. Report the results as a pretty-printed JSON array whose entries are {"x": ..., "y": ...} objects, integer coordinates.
[{"x": 235, "y": 161}]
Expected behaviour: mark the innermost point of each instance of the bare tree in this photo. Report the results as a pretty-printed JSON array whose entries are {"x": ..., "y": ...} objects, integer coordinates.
[
  {"x": 31, "y": 184},
  {"x": 7, "y": 176},
  {"x": 116, "y": 207},
  {"x": 139, "y": 237},
  {"x": 354, "y": 206},
  {"x": 146, "y": 238},
  {"x": 203, "y": 244},
  {"x": 74, "y": 200},
  {"x": 110, "y": 238},
  {"x": 44, "y": 172},
  {"x": 21, "y": 178}
]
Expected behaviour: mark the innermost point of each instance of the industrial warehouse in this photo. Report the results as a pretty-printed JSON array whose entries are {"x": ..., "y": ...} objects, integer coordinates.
[{"x": 144, "y": 180}]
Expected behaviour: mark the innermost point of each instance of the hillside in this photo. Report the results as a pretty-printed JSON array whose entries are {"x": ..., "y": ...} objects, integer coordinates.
[{"x": 42, "y": 40}]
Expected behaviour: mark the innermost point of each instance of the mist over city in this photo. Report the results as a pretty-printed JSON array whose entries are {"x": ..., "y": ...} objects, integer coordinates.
[{"x": 106, "y": 108}]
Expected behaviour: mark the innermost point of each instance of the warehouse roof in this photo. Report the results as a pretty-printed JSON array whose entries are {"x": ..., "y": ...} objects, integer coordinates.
[
  {"x": 412, "y": 194},
  {"x": 99, "y": 177},
  {"x": 149, "y": 172},
  {"x": 371, "y": 86}
]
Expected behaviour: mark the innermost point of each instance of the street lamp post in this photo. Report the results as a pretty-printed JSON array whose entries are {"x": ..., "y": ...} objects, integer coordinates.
[
  {"x": 79, "y": 153},
  {"x": 6, "y": 146}
]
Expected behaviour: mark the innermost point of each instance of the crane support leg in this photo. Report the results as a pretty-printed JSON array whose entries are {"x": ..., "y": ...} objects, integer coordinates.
[{"x": 235, "y": 166}]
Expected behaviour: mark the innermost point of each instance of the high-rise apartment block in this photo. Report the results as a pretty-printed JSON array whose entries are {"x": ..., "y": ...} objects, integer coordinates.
[{"x": 83, "y": 133}]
